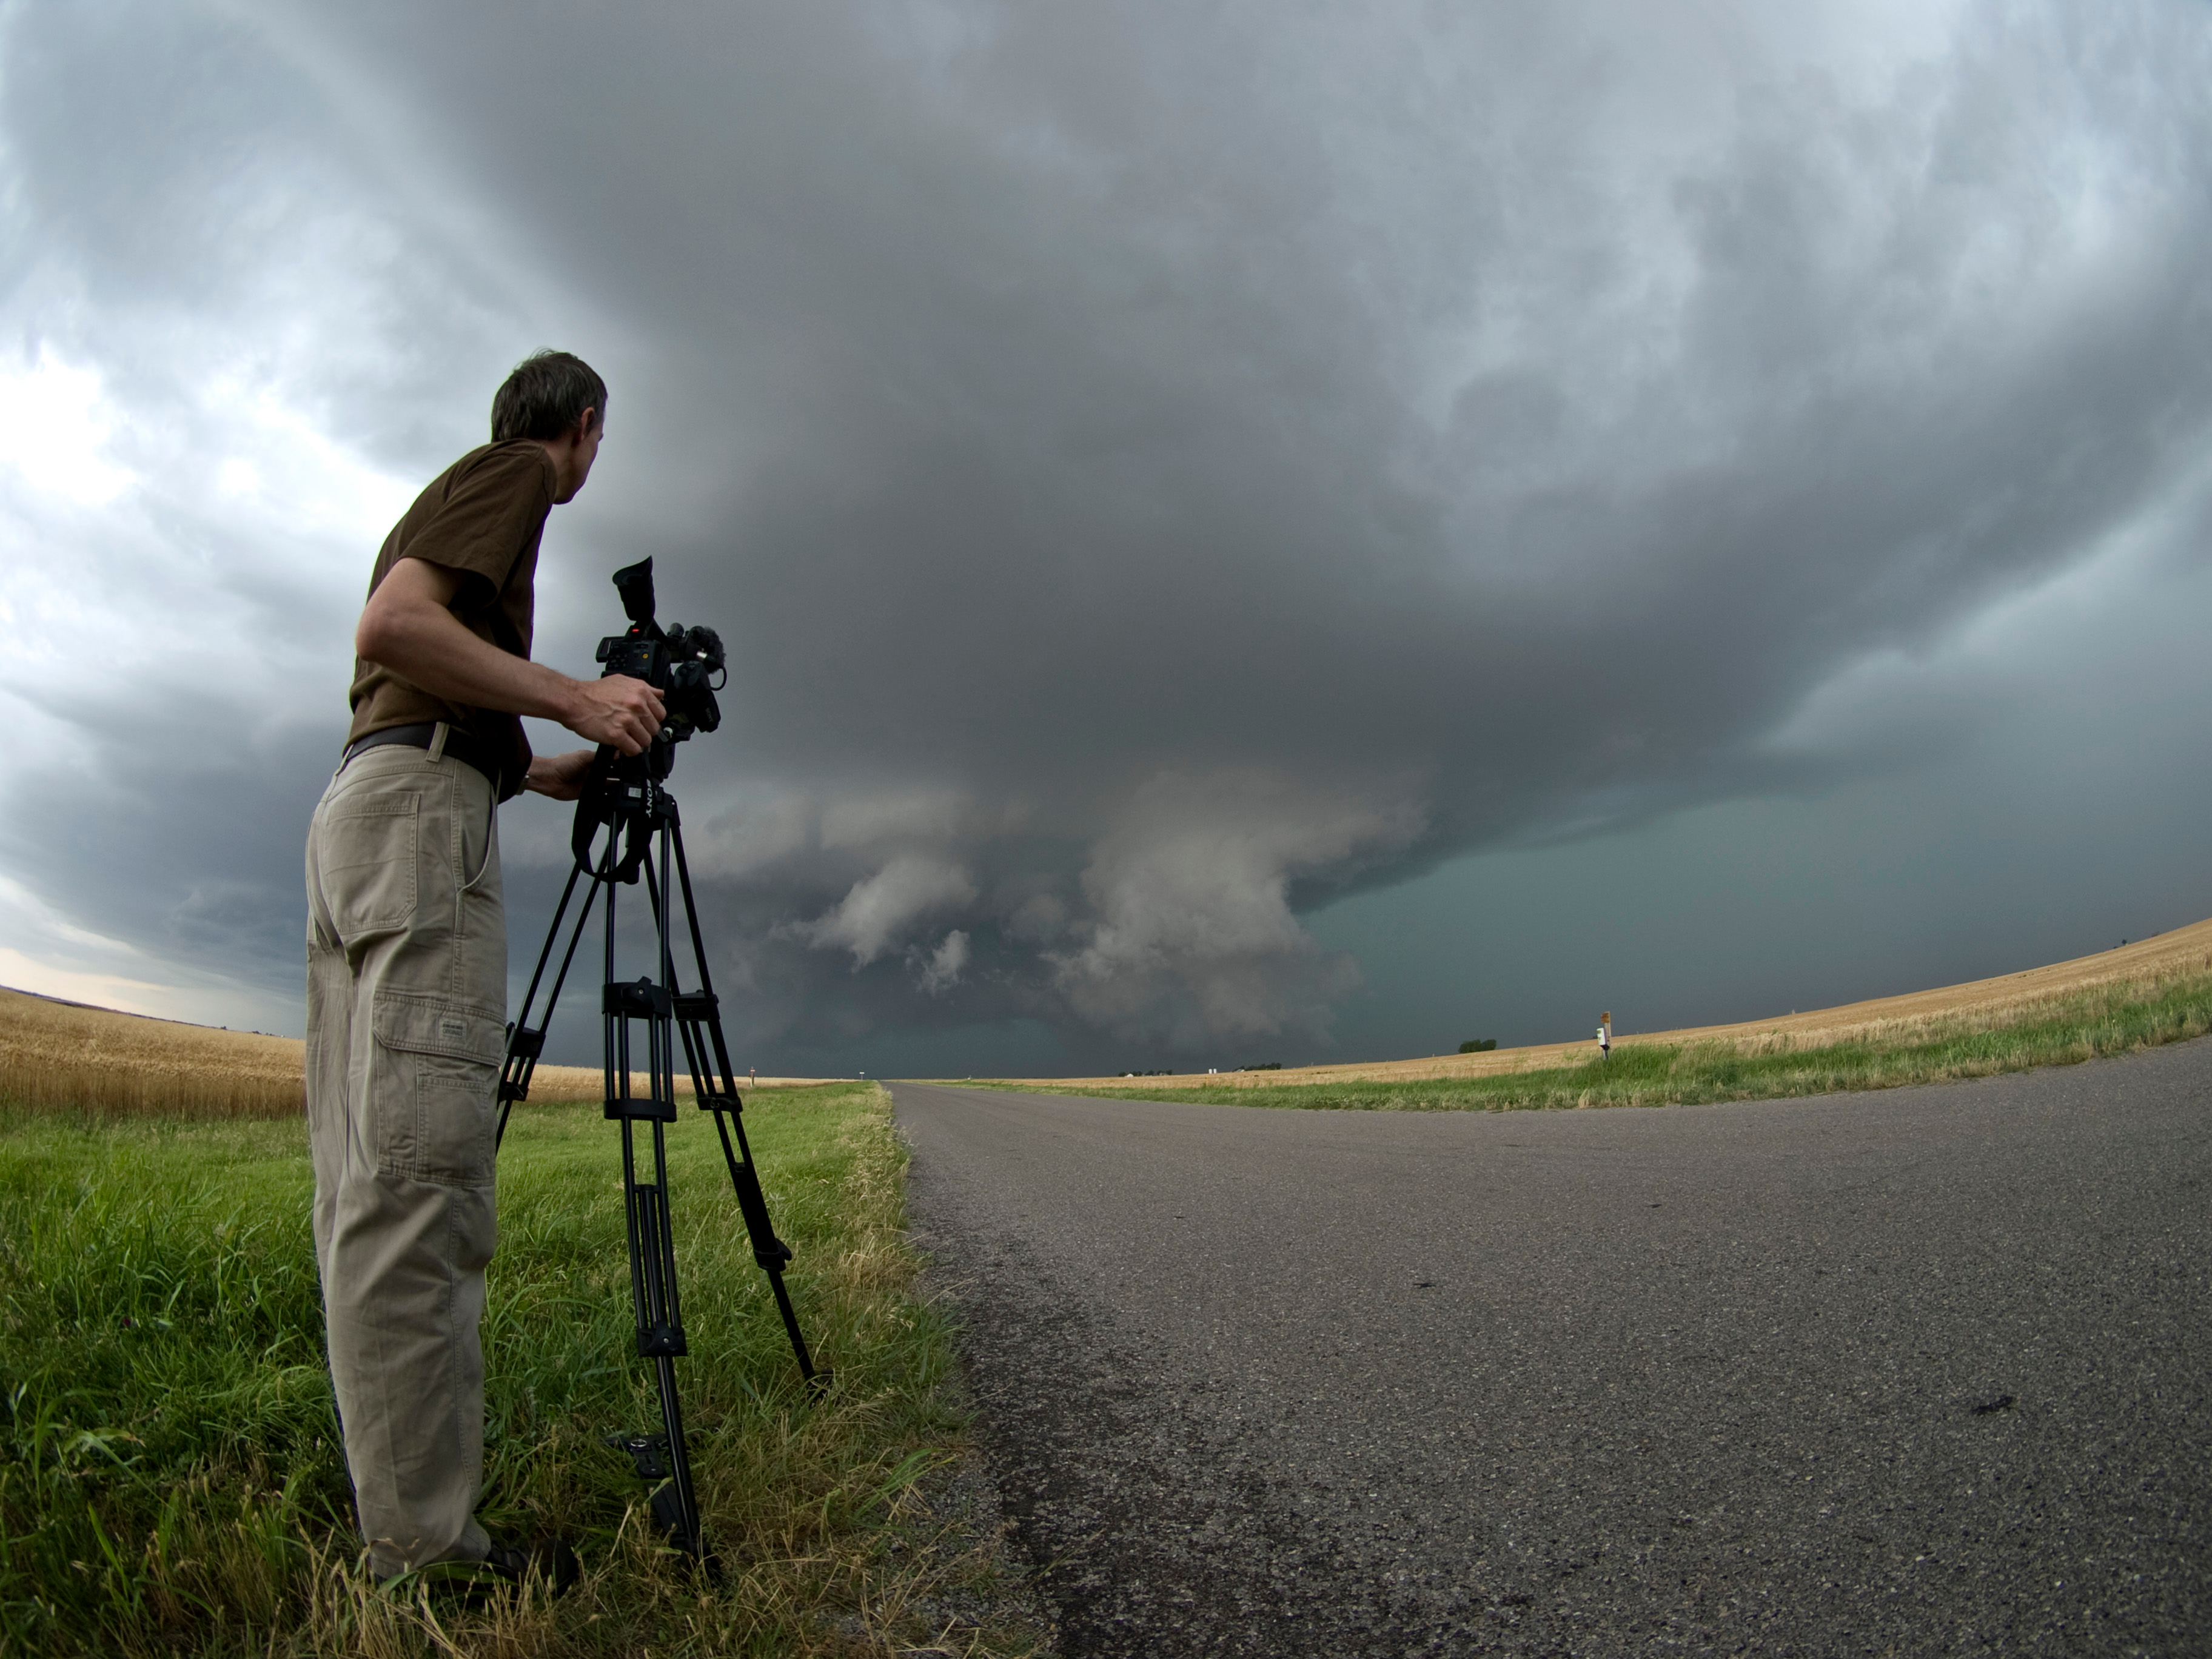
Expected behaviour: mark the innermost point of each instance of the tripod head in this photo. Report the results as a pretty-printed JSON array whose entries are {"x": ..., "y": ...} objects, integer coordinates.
[{"x": 687, "y": 667}]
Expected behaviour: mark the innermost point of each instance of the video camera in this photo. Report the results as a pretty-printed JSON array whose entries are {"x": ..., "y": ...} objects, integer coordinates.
[{"x": 686, "y": 666}]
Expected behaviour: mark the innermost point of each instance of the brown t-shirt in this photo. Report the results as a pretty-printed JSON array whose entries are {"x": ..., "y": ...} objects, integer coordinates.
[{"x": 481, "y": 518}]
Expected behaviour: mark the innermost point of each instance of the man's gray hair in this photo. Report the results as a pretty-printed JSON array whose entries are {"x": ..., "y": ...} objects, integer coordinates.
[{"x": 545, "y": 397}]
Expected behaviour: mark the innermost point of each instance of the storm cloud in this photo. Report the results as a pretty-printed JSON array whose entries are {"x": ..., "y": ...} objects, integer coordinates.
[{"x": 1161, "y": 469}]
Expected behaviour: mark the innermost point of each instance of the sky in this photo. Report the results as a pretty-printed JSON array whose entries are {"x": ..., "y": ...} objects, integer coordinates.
[{"x": 1247, "y": 532}]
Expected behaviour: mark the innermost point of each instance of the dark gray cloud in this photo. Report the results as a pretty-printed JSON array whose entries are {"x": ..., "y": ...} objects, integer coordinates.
[{"x": 1163, "y": 471}]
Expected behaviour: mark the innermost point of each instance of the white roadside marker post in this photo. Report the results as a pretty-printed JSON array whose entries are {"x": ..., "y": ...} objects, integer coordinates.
[{"x": 1605, "y": 1035}]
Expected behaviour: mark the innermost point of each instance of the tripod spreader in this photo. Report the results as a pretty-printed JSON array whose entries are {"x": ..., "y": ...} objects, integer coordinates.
[{"x": 645, "y": 1019}]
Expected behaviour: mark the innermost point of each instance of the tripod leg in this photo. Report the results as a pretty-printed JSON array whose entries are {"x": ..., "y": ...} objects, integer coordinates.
[
  {"x": 660, "y": 1331},
  {"x": 714, "y": 1084},
  {"x": 525, "y": 1042},
  {"x": 651, "y": 1235},
  {"x": 769, "y": 1251}
]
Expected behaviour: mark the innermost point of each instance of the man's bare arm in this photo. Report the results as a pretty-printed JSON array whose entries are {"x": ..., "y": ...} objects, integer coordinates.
[
  {"x": 560, "y": 776},
  {"x": 406, "y": 628}
]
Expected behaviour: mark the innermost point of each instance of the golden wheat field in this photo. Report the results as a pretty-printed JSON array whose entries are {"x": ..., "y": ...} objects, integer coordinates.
[
  {"x": 66, "y": 1053},
  {"x": 2143, "y": 965}
]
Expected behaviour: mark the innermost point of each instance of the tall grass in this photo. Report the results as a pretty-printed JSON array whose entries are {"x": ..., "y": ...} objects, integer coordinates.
[
  {"x": 170, "y": 1478},
  {"x": 1979, "y": 1042}
]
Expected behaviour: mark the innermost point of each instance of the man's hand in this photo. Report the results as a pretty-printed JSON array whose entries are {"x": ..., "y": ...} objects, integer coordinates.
[
  {"x": 409, "y": 627},
  {"x": 560, "y": 777},
  {"x": 617, "y": 710}
]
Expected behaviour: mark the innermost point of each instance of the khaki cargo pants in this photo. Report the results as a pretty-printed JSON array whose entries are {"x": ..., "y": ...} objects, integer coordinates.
[{"x": 406, "y": 1023}]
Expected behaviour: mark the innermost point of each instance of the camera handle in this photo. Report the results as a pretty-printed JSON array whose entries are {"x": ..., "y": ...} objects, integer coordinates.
[
  {"x": 619, "y": 792},
  {"x": 644, "y": 830}
]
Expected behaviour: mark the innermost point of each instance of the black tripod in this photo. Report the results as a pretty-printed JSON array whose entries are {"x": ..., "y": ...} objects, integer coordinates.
[{"x": 627, "y": 796}]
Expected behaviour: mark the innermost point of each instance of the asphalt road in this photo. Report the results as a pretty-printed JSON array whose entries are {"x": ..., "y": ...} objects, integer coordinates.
[{"x": 1916, "y": 1372}]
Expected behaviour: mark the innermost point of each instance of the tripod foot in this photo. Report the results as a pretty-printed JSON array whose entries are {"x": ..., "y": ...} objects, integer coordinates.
[
  {"x": 668, "y": 1510},
  {"x": 817, "y": 1386},
  {"x": 648, "y": 1451}
]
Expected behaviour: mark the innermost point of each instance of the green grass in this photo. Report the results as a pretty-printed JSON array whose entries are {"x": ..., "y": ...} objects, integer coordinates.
[
  {"x": 2061, "y": 1032},
  {"x": 170, "y": 1480}
]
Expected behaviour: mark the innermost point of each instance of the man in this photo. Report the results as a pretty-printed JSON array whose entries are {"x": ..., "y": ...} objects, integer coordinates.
[{"x": 407, "y": 960}]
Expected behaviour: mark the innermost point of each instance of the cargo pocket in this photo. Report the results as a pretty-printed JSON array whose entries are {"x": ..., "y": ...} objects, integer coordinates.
[
  {"x": 367, "y": 870},
  {"x": 438, "y": 1109}
]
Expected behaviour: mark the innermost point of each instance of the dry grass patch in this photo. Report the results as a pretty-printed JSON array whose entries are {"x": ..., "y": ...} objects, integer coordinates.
[
  {"x": 95, "y": 1060},
  {"x": 2144, "y": 971},
  {"x": 2085, "y": 1024},
  {"x": 54, "y": 1053}
]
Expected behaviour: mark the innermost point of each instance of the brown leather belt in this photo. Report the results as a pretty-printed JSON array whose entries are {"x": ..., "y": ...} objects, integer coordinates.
[{"x": 458, "y": 744}]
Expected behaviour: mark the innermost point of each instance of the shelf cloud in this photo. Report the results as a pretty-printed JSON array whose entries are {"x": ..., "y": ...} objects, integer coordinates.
[{"x": 1158, "y": 468}]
